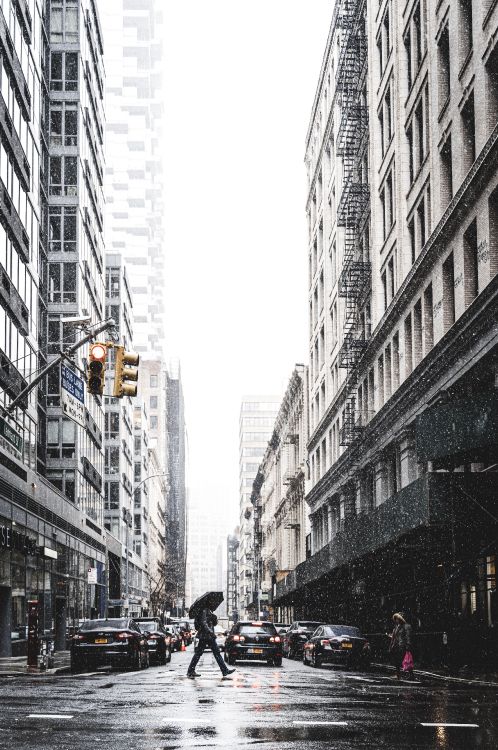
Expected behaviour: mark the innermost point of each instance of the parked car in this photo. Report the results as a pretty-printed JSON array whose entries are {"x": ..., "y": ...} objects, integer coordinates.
[
  {"x": 254, "y": 641},
  {"x": 158, "y": 640},
  {"x": 337, "y": 644},
  {"x": 116, "y": 642},
  {"x": 297, "y": 635},
  {"x": 221, "y": 635}
]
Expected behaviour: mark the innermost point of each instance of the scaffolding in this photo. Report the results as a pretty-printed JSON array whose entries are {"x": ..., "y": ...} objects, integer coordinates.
[{"x": 355, "y": 277}]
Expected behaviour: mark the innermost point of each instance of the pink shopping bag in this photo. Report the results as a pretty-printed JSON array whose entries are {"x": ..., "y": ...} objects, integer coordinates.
[{"x": 407, "y": 665}]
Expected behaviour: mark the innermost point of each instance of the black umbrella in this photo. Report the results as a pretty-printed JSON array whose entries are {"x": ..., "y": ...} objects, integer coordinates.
[{"x": 210, "y": 600}]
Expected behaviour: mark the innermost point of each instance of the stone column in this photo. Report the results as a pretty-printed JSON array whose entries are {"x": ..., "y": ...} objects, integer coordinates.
[
  {"x": 380, "y": 483},
  {"x": 408, "y": 459}
]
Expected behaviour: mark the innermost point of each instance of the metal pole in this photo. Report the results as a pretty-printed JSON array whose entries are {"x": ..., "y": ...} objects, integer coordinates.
[{"x": 94, "y": 330}]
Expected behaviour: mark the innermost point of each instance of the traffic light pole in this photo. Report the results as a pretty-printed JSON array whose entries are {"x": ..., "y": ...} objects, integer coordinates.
[{"x": 92, "y": 332}]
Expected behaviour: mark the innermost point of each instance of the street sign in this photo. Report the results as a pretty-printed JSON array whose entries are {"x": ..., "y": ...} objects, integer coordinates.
[
  {"x": 72, "y": 395},
  {"x": 10, "y": 435},
  {"x": 92, "y": 575}
]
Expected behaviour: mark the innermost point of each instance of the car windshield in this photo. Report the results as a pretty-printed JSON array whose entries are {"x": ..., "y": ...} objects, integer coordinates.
[
  {"x": 262, "y": 628},
  {"x": 332, "y": 630},
  {"x": 308, "y": 625},
  {"x": 120, "y": 624},
  {"x": 148, "y": 626}
]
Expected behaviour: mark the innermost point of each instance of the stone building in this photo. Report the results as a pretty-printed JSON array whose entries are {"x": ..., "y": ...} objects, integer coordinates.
[{"x": 403, "y": 255}]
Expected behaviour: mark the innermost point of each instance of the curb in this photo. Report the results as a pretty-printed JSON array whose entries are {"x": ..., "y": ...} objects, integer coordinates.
[
  {"x": 436, "y": 675},
  {"x": 49, "y": 672}
]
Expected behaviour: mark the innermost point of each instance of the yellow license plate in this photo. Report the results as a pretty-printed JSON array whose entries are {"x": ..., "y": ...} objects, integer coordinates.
[
  {"x": 255, "y": 650},
  {"x": 347, "y": 645},
  {"x": 101, "y": 640}
]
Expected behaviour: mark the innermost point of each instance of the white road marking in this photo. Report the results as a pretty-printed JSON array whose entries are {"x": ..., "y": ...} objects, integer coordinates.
[
  {"x": 321, "y": 723},
  {"x": 445, "y": 724},
  {"x": 50, "y": 716},
  {"x": 176, "y": 720}
]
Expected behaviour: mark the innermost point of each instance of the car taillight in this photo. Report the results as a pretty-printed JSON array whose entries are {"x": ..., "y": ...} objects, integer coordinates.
[
  {"x": 239, "y": 638},
  {"x": 78, "y": 637},
  {"x": 124, "y": 636},
  {"x": 275, "y": 639},
  {"x": 325, "y": 642},
  {"x": 154, "y": 637}
]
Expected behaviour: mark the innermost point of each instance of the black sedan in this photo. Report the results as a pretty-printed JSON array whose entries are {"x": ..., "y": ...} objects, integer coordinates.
[
  {"x": 254, "y": 641},
  {"x": 158, "y": 640},
  {"x": 116, "y": 642},
  {"x": 297, "y": 635},
  {"x": 337, "y": 644},
  {"x": 175, "y": 639}
]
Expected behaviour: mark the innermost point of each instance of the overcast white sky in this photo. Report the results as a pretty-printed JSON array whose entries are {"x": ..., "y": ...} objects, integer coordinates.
[{"x": 240, "y": 82}]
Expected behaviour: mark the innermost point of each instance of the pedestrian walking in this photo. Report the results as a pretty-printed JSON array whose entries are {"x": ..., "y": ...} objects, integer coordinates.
[
  {"x": 400, "y": 646},
  {"x": 204, "y": 624}
]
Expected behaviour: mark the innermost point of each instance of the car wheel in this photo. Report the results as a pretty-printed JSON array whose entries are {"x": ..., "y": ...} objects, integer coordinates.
[
  {"x": 167, "y": 656},
  {"x": 277, "y": 662},
  {"x": 146, "y": 661},
  {"x": 76, "y": 666},
  {"x": 135, "y": 661},
  {"x": 317, "y": 662},
  {"x": 231, "y": 660},
  {"x": 290, "y": 653}
]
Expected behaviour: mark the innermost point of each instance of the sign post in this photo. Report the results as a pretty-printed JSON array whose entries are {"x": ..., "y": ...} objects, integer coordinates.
[{"x": 72, "y": 395}]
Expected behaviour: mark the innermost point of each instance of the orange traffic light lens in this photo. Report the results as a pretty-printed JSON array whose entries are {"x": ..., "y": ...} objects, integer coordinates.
[{"x": 98, "y": 351}]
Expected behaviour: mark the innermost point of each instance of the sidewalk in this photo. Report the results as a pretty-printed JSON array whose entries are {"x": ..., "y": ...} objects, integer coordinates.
[
  {"x": 14, "y": 666},
  {"x": 465, "y": 675}
]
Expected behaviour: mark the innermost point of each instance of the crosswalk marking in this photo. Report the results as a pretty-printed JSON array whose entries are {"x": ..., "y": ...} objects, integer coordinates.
[
  {"x": 321, "y": 723},
  {"x": 447, "y": 724},
  {"x": 50, "y": 716}
]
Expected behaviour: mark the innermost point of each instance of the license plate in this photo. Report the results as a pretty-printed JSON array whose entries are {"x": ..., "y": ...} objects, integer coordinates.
[
  {"x": 101, "y": 640},
  {"x": 347, "y": 645},
  {"x": 254, "y": 650}
]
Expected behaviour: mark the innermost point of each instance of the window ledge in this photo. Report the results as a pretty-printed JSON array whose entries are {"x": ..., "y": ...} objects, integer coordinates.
[
  {"x": 444, "y": 108},
  {"x": 465, "y": 64},
  {"x": 489, "y": 13}
]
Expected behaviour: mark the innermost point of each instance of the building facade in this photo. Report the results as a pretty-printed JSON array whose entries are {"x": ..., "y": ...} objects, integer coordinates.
[
  {"x": 206, "y": 550},
  {"x": 51, "y": 258},
  {"x": 403, "y": 258},
  {"x": 256, "y": 421},
  {"x": 134, "y": 177},
  {"x": 232, "y": 582},
  {"x": 281, "y": 520}
]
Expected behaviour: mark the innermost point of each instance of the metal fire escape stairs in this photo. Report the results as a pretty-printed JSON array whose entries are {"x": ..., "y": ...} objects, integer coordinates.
[{"x": 354, "y": 280}]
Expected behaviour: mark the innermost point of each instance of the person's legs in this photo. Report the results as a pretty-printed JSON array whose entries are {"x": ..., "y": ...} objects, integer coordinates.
[
  {"x": 199, "y": 650},
  {"x": 217, "y": 655}
]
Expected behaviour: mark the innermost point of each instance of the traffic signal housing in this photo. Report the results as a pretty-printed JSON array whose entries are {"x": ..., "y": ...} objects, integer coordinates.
[
  {"x": 95, "y": 372},
  {"x": 126, "y": 373}
]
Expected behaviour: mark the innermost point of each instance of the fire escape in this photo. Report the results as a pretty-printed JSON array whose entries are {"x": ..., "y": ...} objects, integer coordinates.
[{"x": 354, "y": 280}]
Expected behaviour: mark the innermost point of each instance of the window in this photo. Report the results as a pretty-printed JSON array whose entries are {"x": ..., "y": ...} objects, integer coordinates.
[
  {"x": 61, "y": 438},
  {"x": 428, "y": 320},
  {"x": 153, "y": 423},
  {"x": 64, "y": 124},
  {"x": 408, "y": 345},
  {"x": 62, "y": 282},
  {"x": 417, "y": 333},
  {"x": 64, "y": 71},
  {"x": 448, "y": 292},
  {"x": 395, "y": 361},
  {"x": 468, "y": 133},
  {"x": 446, "y": 161},
  {"x": 384, "y": 40},
  {"x": 333, "y": 263},
  {"x": 491, "y": 89},
  {"x": 387, "y": 372},
  {"x": 411, "y": 234},
  {"x": 464, "y": 29},
  {"x": 62, "y": 229},
  {"x": 385, "y": 117},
  {"x": 63, "y": 175},
  {"x": 111, "y": 490},
  {"x": 493, "y": 232},
  {"x": 470, "y": 264},
  {"x": 153, "y": 381},
  {"x": 63, "y": 21},
  {"x": 443, "y": 56},
  {"x": 333, "y": 325},
  {"x": 153, "y": 402}
]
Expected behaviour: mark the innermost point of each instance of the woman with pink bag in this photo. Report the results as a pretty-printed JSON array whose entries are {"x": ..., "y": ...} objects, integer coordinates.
[{"x": 400, "y": 646}]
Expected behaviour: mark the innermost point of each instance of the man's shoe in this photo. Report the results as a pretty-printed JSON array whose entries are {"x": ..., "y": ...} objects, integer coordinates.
[
  {"x": 192, "y": 675},
  {"x": 229, "y": 671}
]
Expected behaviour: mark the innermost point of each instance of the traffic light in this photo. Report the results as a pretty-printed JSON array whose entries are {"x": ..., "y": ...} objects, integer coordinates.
[
  {"x": 126, "y": 370},
  {"x": 95, "y": 373}
]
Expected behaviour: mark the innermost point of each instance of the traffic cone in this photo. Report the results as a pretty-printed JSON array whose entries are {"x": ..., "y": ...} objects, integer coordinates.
[{"x": 183, "y": 648}]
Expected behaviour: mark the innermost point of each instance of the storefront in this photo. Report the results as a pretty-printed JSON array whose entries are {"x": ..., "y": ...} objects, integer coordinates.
[{"x": 41, "y": 563}]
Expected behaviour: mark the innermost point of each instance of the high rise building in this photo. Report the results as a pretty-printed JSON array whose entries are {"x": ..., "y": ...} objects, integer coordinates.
[
  {"x": 134, "y": 181},
  {"x": 256, "y": 422},
  {"x": 206, "y": 549},
  {"x": 403, "y": 257},
  {"x": 51, "y": 81},
  {"x": 176, "y": 521}
]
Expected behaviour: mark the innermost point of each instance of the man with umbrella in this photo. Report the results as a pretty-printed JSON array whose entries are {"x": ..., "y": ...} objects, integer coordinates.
[{"x": 205, "y": 620}]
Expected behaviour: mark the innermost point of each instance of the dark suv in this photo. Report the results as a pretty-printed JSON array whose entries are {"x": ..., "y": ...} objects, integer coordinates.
[
  {"x": 254, "y": 641},
  {"x": 297, "y": 635}
]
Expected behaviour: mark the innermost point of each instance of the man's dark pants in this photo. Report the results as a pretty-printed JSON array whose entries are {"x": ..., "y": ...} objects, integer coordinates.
[{"x": 199, "y": 650}]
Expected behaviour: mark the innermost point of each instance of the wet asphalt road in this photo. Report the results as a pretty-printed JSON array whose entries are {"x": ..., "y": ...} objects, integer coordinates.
[{"x": 289, "y": 708}]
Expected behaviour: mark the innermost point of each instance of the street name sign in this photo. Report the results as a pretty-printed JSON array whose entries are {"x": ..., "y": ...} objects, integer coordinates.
[
  {"x": 10, "y": 435},
  {"x": 72, "y": 395}
]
